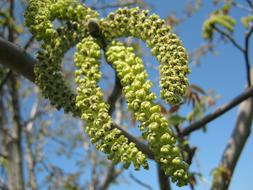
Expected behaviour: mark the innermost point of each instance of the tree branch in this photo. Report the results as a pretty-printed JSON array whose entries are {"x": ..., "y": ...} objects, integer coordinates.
[
  {"x": 164, "y": 182},
  {"x": 250, "y": 3},
  {"x": 221, "y": 110},
  {"x": 31, "y": 162},
  {"x": 111, "y": 176},
  {"x": 5, "y": 79},
  {"x": 140, "y": 182},
  {"x": 17, "y": 59},
  {"x": 235, "y": 145},
  {"x": 228, "y": 36},
  {"x": 116, "y": 5},
  {"x": 246, "y": 54},
  {"x": 15, "y": 146}
]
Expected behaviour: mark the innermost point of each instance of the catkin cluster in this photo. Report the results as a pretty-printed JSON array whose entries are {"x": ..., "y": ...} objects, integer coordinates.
[
  {"x": 95, "y": 111},
  {"x": 55, "y": 43},
  {"x": 247, "y": 21},
  {"x": 58, "y": 26},
  {"x": 62, "y": 24},
  {"x": 164, "y": 45},
  {"x": 217, "y": 18},
  {"x": 154, "y": 125}
]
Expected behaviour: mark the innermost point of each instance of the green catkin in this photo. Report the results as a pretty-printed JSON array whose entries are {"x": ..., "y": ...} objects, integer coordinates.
[
  {"x": 218, "y": 18},
  {"x": 154, "y": 125},
  {"x": 95, "y": 111},
  {"x": 60, "y": 25},
  {"x": 56, "y": 42},
  {"x": 164, "y": 45},
  {"x": 247, "y": 21}
]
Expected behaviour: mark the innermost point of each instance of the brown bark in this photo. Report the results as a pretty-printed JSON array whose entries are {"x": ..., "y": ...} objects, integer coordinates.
[
  {"x": 15, "y": 145},
  {"x": 164, "y": 182},
  {"x": 235, "y": 144},
  {"x": 31, "y": 161}
]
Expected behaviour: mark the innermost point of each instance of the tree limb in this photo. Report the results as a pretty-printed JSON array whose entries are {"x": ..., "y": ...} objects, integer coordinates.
[
  {"x": 235, "y": 145},
  {"x": 15, "y": 145},
  {"x": 246, "y": 54},
  {"x": 164, "y": 182},
  {"x": 218, "y": 112},
  {"x": 17, "y": 59},
  {"x": 5, "y": 79},
  {"x": 111, "y": 176}
]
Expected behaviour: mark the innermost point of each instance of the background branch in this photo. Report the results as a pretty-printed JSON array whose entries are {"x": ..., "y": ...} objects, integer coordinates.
[
  {"x": 246, "y": 54},
  {"x": 218, "y": 112},
  {"x": 228, "y": 36},
  {"x": 141, "y": 183}
]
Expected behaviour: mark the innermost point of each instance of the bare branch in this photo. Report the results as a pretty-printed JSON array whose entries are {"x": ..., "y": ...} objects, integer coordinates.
[
  {"x": 218, "y": 112},
  {"x": 116, "y": 93},
  {"x": 29, "y": 43},
  {"x": 116, "y": 5},
  {"x": 94, "y": 180},
  {"x": 250, "y": 3},
  {"x": 17, "y": 59},
  {"x": 141, "y": 183},
  {"x": 31, "y": 162},
  {"x": 15, "y": 147},
  {"x": 5, "y": 79},
  {"x": 246, "y": 54},
  {"x": 111, "y": 175},
  {"x": 228, "y": 36},
  {"x": 235, "y": 145}
]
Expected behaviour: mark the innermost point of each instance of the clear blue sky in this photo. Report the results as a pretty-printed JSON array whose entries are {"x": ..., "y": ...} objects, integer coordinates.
[{"x": 224, "y": 72}]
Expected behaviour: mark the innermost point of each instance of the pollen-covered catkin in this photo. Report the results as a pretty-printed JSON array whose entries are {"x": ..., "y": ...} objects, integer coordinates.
[
  {"x": 164, "y": 45},
  {"x": 154, "y": 126},
  {"x": 94, "y": 110},
  {"x": 56, "y": 41},
  {"x": 217, "y": 18},
  {"x": 62, "y": 24},
  {"x": 247, "y": 21}
]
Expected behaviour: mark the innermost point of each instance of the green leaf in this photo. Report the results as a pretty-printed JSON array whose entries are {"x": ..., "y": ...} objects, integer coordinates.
[{"x": 176, "y": 119}]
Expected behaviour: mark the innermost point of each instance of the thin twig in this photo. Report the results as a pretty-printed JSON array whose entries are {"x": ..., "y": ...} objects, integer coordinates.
[
  {"x": 111, "y": 176},
  {"x": 29, "y": 42},
  {"x": 246, "y": 54},
  {"x": 250, "y": 3},
  {"x": 241, "y": 6},
  {"x": 5, "y": 79},
  {"x": 116, "y": 5},
  {"x": 116, "y": 93},
  {"x": 221, "y": 110},
  {"x": 140, "y": 182},
  {"x": 232, "y": 40}
]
